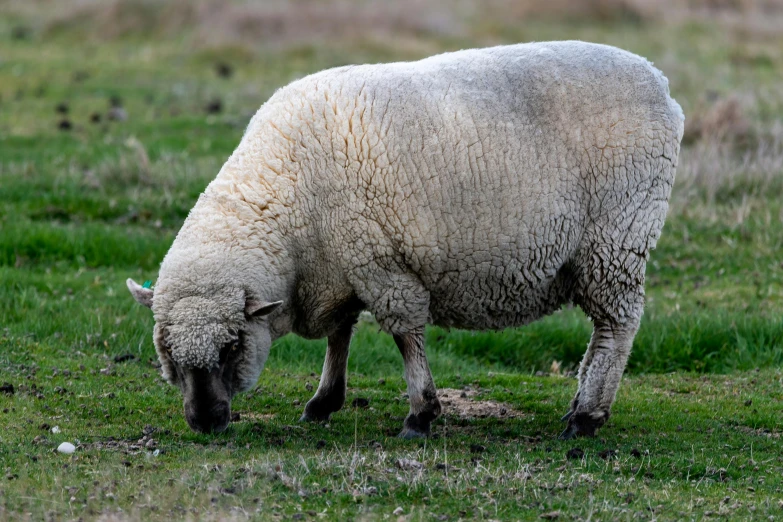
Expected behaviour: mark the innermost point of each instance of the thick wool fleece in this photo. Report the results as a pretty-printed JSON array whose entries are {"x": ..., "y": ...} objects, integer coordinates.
[{"x": 477, "y": 189}]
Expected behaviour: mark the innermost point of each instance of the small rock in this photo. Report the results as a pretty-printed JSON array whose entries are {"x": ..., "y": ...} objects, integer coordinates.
[
  {"x": 636, "y": 453},
  {"x": 7, "y": 388},
  {"x": 381, "y": 381},
  {"x": 308, "y": 386},
  {"x": 124, "y": 357},
  {"x": 575, "y": 454},
  {"x": 552, "y": 515},
  {"x": 55, "y": 429},
  {"x": 320, "y": 444},
  {"x": 150, "y": 444},
  {"x": 62, "y": 108},
  {"x": 44, "y": 427},
  {"x": 66, "y": 447},
  {"x": 409, "y": 464},
  {"x": 748, "y": 402},
  {"x": 117, "y": 114},
  {"x": 65, "y": 125},
  {"x": 95, "y": 117},
  {"x": 398, "y": 511},
  {"x": 360, "y": 402},
  {"x": 477, "y": 448}
]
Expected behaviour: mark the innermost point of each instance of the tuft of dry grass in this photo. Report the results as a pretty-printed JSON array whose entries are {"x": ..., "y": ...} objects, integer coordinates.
[
  {"x": 718, "y": 120},
  {"x": 713, "y": 170}
]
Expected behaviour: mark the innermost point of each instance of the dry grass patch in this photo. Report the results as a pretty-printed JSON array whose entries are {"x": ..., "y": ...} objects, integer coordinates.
[
  {"x": 713, "y": 170},
  {"x": 717, "y": 120}
]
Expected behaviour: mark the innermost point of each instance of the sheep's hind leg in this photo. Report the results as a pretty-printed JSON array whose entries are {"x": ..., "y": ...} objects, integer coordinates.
[
  {"x": 599, "y": 379},
  {"x": 612, "y": 293},
  {"x": 424, "y": 403},
  {"x": 330, "y": 395}
]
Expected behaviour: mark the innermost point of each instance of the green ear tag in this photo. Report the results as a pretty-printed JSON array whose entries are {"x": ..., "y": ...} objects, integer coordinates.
[{"x": 147, "y": 284}]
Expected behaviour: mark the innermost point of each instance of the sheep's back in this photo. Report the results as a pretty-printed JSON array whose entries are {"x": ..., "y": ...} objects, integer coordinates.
[{"x": 484, "y": 169}]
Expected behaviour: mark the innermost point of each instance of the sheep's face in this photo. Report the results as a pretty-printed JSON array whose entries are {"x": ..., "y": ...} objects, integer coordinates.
[{"x": 212, "y": 347}]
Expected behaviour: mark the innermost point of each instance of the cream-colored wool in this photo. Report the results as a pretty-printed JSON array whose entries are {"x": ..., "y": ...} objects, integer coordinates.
[{"x": 478, "y": 189}]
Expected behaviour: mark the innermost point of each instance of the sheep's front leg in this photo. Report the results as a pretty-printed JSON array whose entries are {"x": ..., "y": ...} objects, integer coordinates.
[
  {"x": 424, "y": 404},
  {"x": 599, "y": 378},
  {"x": 330, "y": 395}
]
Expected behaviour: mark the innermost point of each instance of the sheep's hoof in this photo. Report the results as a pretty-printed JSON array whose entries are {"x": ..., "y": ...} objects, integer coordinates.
[
  {"x": 416, "y": 426},
  {"x": 306, "y": 417},
  {"x": 319, "y": 409},
  {"x": 315, "y": 415},
  {"x": 408, "y": 434},
  {"x": 582, "y": 425}
]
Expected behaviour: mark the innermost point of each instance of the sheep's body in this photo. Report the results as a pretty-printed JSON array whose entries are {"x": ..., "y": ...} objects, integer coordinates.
[{"x": 480, "y": 189}]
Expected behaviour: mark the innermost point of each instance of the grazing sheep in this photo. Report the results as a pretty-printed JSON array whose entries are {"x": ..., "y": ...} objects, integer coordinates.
[{"x": 480, "y": 189}]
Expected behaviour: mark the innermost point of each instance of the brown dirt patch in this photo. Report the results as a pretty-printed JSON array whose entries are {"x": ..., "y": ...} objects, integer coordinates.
[
  {"x": 249, "y": 416},
  {"x": 463, "y": 404}
]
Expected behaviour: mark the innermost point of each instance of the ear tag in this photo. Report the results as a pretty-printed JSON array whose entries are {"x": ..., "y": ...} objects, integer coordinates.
[{"x": 147, "y": 284}]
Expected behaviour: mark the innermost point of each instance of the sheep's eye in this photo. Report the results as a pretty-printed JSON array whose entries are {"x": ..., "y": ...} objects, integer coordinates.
[{"x": 235, "y": 346}]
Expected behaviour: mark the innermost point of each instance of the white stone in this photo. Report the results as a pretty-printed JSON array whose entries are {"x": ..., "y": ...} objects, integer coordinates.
[{"x": 66, "y": 447}]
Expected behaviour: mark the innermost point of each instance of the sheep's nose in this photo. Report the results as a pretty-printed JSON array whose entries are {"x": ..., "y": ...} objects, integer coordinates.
[{"x": 208, "y": 419}]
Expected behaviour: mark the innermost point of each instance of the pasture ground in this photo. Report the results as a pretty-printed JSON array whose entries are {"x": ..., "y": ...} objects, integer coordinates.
[{"x": 115, "y": 115}]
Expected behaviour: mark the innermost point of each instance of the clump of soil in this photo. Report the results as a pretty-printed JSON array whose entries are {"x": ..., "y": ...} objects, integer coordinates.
[
  {"x": 215, "y": 106},
  {"x": 360, "y": 402},
  {"x": 575, "y": 454},
  {"x": 224, "y": 70},
  {"x": 463, "y": 404}
]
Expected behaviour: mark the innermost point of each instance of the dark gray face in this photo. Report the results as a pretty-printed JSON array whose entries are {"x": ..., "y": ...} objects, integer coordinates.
[
  {"x": 210, "y": 348},
  {"x": 207, "y": 393}
]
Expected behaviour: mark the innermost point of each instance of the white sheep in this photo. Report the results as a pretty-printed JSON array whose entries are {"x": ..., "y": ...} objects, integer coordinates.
[{"x": 479, "y": 189}]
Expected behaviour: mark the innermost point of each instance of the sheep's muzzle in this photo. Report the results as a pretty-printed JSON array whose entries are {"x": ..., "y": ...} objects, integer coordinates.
[{"x": 207, "y": 401}]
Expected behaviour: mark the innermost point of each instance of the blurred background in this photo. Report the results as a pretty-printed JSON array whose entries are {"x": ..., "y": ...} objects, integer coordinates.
[{"x": 114, "y": 115}]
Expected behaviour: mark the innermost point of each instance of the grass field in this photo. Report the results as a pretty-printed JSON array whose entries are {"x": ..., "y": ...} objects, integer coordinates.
[{"x": 115, "y": 115}]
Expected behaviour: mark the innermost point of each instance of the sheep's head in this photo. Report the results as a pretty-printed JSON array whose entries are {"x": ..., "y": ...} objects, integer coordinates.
[{"x": 211, "y": 345}]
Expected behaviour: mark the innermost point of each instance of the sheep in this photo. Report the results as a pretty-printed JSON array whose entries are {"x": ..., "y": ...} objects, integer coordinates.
[{"x": 479, "y": 189}]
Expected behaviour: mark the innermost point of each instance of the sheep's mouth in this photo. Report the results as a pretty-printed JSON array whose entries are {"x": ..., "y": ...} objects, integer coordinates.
[
  {"x": 207, "y": 399},
  {"x": 213, "y": 418}
]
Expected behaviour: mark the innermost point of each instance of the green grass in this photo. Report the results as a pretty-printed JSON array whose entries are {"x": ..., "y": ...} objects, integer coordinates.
[{"x": 696, "y": 427}]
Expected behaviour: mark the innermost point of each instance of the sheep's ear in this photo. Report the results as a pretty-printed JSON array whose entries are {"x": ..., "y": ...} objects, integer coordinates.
[
  {"x": 139, "y": 293},
  {"x": 255, "y": 308}
]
